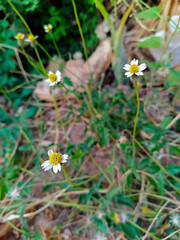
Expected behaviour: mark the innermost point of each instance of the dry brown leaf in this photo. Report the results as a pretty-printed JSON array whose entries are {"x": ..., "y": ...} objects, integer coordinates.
[{"x": 78, "y": 70}]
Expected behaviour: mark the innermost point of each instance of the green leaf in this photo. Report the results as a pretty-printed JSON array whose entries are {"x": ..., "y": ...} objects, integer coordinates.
[
  {"x": 68, "y": 82},
  {"x": 151, "y": 13},
  {"x": 31, "y": 111},
  {"x": 174, "y": 150},
  {"x": 151, "y": 42},
  {"x": 99, "y": 225},
  {"x": 173, "y": 169},
  {"x": 174, "y": 78},
  {"x": 131, "y": 232}
]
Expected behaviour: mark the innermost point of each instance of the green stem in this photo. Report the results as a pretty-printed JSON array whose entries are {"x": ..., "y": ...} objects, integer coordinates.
[
  {"x": 21, "y": 17},
  {"x": 81, "y": 183},
  {"x": 136, "y": 120},
  {"x": 143, "y": 230},
  {"x": 55, "y": 45},
  {"x": 80, "y": 29},
  {"x": 44, "y": 50},
  {"x": 32, "y": 64},
  {"x": 58, "y": 115},
  {"x": 40, "y": 61}
]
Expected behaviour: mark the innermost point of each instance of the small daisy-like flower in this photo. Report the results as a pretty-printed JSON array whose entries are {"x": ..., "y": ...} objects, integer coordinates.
[
  {"x": 14, "y": 193},
  {"x": 54, "y": 162},
  {"x": 31, "y": 38},
  {"x": 100, "y": 236},
  {"x": 48, "y": 27},
  {"x": 175, "y": 220},
  {"x": 133, "y": 69},
  {"x": 53, "y": 78},
  {"x": 20, "y": 37}
]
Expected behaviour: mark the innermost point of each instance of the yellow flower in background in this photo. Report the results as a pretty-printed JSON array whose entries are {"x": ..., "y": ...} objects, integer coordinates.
[
  {"x": 48, "y": 27},
  {"x": 31, "y": 38},
  {"x": 134, "y": 69},
  {"x": 116, "y": 218},
  {"x": 20, "y": 37},
  {"x": 145, "y": 210},
  {"x": 53, "y": 78},
  {"x": 54, "y": 162}
]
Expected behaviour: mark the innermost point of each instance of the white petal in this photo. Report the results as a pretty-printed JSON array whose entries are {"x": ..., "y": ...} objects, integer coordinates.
[
  {"x": 48, "y": 167},
  {"x": 46, "y": 163},
  {"x": 133, "y": 61},
  {"x": 59, "y": 167},
  {"x": 64, "y": 158},
  {"x": 50, "y": 73},
  {"x": 35, "y": 37},
  {"x": 58, "y": 76},
  {"x": 127, "y": 67},
  {"x": 47, "y": 80},
  {"x": 139, "y": 73},
  {"x": 55, "y": 168},
  {"x": 142, "y": 67},
  {"x": 128, "y": 74},
  {"x": 136, "y": 62},
  {"x": 50, "y": 152},
  {"x": 52, "y": 83}
]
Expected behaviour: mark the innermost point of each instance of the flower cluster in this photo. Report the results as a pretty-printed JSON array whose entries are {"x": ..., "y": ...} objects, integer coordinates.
[
  {"x": 100, "y": 236},
  {"x": 134, "y": 69},
  {"x": 13, "y": 193},
  {"x": 175, "y": 220},
  {"x": 48, "y": 27},
  {"x": 55, "y": 161},
  {"x": 53, "y": 78}
]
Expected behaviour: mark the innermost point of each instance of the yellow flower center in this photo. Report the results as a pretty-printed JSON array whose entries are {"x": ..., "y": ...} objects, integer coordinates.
[
  {"x": 116, "y": 218},
  {"x": 134, "y": 68},
  {"x": 55, "y": 158},
  {"x": 30, "y": 37},
  {"x": 19, "y": 36},
  {"x": 52, "y": 77},
  {"x": 48, "y": 27}
]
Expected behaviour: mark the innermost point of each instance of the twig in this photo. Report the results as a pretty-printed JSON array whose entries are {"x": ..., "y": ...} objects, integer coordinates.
[{"x": 160, "y": 210}]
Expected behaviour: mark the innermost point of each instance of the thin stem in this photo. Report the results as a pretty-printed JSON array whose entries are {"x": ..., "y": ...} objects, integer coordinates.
[
  {"x": 81, "y": 183},
  {"x": 32, "y": 64},
  {"x": 21, "y": 17},
  {"x": 58, "y": 115},
  {"x": 143, "y": 230},
  {"x": 80, "y": 29},
  {"x": 44, "y": 50},
  {"x": 55, "y": 45},
  {"x": 40, "y": 61},
  {"x": 167, "y": 45},
  {"x": 136, "y": 120}
]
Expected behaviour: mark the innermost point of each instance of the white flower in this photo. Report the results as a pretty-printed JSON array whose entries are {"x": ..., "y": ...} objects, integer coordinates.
[
  {"x": 123, "y": 217},
  {"x": 100, "y": 237},
  {"x": 31, "y": 38},
  {"x": 54, "y": 162},
  {"x": 20, "y": 37},
  {"x": 77, "y": 55},
  {"x": 48, "y": 27},
  {"x": 175, "y": 220},
  {"x": 13, "y": 193},
  {"x": 53, "y": 78},
  {"x": 134, "y": 69}
]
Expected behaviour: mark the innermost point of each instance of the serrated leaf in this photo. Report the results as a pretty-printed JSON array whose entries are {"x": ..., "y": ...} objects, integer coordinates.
[
  {"x": 151, "y": 13},
  {"x": 151, "y": 42},
  {"x": 68, "y": 82}
]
